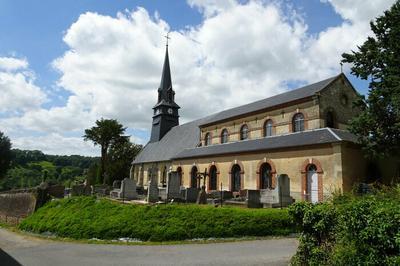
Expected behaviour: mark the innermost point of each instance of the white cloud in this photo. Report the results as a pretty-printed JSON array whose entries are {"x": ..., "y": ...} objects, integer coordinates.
[
  {"x": 12, "y": 63},
  {"x": 211, "y": 8},
  {"x": 56, "y": 144},
  {"x": 360, "y": 11},
  {"x": 238, "y": 54},
  {"x": 17, "y": 88}
]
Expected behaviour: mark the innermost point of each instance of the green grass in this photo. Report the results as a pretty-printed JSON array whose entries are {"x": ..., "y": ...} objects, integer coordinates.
[{"x": 88, "y": 217}]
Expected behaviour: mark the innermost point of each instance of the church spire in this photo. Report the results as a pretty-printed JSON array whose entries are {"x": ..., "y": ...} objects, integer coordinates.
[
  {"x": 166, "y": 82},
  {"x": 166, "y": 114}
]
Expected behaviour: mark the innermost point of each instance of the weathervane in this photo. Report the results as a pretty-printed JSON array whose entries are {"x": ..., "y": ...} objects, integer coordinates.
[
  {"x": 167, "y": 37},
  {"x": 341, "y": 64}
]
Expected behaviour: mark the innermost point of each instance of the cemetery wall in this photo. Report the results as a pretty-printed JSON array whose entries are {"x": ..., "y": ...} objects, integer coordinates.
[{"x": 16, "y": 206}]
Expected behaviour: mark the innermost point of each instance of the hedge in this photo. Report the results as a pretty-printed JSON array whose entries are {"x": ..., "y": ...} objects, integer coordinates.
[
  {"x": 349, "y": 230},
  {"x": 88, "y": 217}
]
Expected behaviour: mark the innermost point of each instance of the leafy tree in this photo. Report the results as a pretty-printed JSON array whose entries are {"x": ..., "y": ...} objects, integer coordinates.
[
  {"x": 105, "y": 133},
  {"x": 378, "y": 60},
  {"x": 120, "y": 158},
  {"x": 5, "y": 154},
  {"x": 92, "y": 174}
]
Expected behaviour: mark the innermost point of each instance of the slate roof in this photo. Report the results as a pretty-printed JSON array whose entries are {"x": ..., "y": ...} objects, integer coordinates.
[
  {"x": 305, "y": 138},
  {"x": 184, "y": 138},
  {"x": 293, "y": 95},
  {"x": 176, "y": 140}
]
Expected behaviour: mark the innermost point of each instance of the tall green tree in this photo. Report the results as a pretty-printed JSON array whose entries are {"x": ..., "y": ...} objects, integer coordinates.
[
  {"x": 120, "y": 159},
  {"x": 105, "y": 133},
  {"x": 5, "y": 154},
  {"x": 378, "y": 61}
]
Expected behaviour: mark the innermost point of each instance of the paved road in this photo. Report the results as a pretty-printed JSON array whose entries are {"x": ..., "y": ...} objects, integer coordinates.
[{"x": 16, "y": 249}]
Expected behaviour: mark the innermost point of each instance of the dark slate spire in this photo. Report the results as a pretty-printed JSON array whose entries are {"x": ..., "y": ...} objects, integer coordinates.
[
  {"x": 166, "y": 82},
  {"x": 166, "y": 110}
]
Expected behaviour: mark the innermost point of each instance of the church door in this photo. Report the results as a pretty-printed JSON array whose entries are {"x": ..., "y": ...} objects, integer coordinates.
[
  {"x": 235, "y": 178},
  {"x": 312, "y": 183}
]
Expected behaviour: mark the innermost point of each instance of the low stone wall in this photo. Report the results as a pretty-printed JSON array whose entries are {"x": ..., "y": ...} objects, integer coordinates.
[{"x": 16, "y": 206}]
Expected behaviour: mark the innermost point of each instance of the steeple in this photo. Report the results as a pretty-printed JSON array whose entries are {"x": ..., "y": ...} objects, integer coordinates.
[
  {"x": 166, "y": 82},
  {"x": 166, "y": 110}
]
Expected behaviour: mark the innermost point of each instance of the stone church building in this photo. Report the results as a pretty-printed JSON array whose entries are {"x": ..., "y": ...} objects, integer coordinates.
[{"x": 301, "y": 133}]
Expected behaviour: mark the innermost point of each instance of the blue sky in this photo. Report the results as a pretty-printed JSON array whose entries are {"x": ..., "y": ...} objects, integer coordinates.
[{"x": 41, "y": 34}]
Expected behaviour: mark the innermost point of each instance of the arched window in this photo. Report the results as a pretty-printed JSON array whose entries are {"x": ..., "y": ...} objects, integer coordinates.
[
  {"x": 224, "y": 136},
  {"x": 330, "y": 120},
  {"x": 164, "y": 177},
  {"x": 207, "y": 139},
  {"x": 312, "y": 183},
  {"x": 193, "y": 177},
  {"x": 244, "y": 132},
  {"x": 235, "y": 178},
  {"x": 179, "y": 171},
  {"x": 268, "y": 128},
  {"x": 213, "y": 178},
  {"x": 298, "y": 122},
  {"x": 265, "y": 176}
]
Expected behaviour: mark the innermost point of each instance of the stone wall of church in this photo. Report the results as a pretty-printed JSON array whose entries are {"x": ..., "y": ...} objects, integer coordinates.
[
  {"x": 292, "y": 162},
  {"x": 338, "y": 98},
  {"x": 143, "y": 173},
  {"x": 281, "y": 118}
]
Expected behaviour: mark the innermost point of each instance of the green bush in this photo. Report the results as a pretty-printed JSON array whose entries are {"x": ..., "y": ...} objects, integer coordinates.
[
  {"x": 88, "y": 217},
  {"x": 349, "y": 230}
]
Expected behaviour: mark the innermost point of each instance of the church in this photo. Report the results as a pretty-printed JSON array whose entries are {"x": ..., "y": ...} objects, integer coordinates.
[{"x": 301, "y": 133}]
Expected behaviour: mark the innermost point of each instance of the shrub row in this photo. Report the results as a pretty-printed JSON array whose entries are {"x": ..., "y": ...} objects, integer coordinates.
[
  {"x": 88, "y": 217},
  {"x": 349, "y": 230}
]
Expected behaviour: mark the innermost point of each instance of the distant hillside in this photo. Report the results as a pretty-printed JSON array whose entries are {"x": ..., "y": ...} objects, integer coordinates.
[{"x": 29, "y": 168}]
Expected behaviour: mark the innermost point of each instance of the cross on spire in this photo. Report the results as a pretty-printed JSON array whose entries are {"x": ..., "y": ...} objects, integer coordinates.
[{"x": 167, "y": 37}]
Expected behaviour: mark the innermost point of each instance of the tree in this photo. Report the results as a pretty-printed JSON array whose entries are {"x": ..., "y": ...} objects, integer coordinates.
[
  {"x": 5, "y": 154},
  {"x": 105, "y": 133},
  {"x": 120, "y": 158},
  {"x": 378, "y": 61}
]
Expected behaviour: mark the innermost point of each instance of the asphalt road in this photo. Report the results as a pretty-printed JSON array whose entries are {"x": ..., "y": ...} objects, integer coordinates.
[{"x": 16, "y": 249}]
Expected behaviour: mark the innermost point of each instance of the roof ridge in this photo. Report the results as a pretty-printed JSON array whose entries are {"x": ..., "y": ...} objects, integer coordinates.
[{"x": 334, "y": 134}]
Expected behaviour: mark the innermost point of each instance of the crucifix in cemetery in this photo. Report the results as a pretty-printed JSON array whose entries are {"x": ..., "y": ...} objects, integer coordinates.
[{"x": 202, "y": 197}]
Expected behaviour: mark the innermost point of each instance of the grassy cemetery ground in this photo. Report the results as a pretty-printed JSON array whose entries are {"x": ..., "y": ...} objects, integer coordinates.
[{"x": 88, "y": 217}]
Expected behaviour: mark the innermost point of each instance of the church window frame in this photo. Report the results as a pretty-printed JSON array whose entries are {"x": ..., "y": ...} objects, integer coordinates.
[
  {"x": 213, "y": 178},
  {"x": 298, "y": 122},
  {"x": 193, "y": 177},
  {"x": 224, "y": 136},
  {"x": 244, "y": 132},
  {"x": 268, "y": 128},
  {"x": 330, "y": 119},
  {"x": 207, "y": 139}
]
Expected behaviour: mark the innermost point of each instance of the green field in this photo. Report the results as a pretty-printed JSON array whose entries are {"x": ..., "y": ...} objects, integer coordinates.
[{"x": 88, "y": 217}]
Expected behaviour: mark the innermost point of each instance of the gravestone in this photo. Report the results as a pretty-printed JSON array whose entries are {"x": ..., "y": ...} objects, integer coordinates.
[
  {"x": 253, "y": 198},
  {"x": 191, "y": 194},
  {"x": 128, "y": 189},
  {"x": 152, "y": 191},
  {"x": 116, "y": 184},
  {"x": 278, "y": 197},
  {"x": 174, "y": 186},
  {"x": 162, "y": 193},
  {"x": 202, "y": 196},
  {"x": 77, "y": 190},
  {"x": 87, "y": 190}
]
